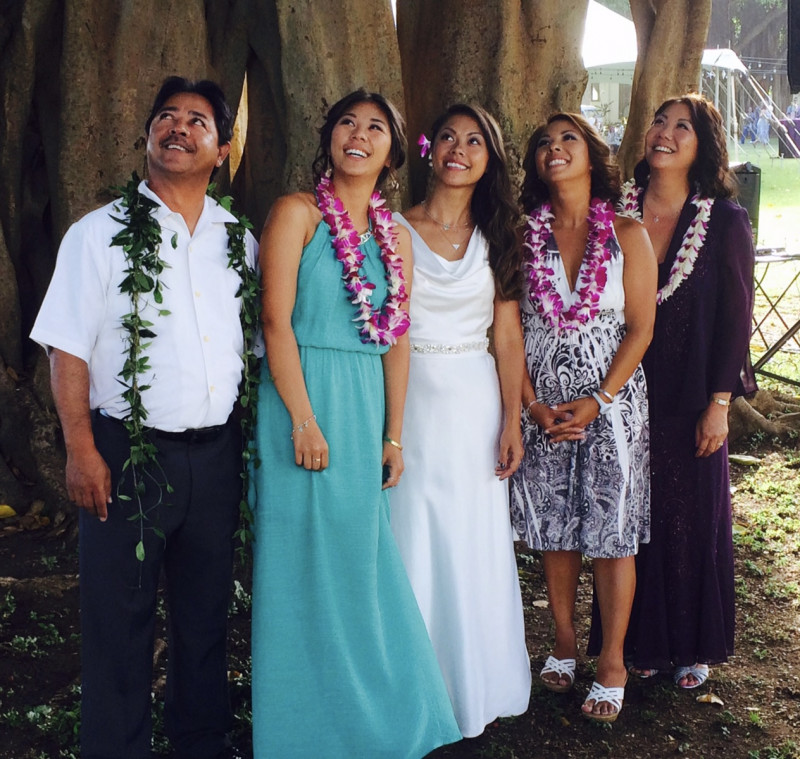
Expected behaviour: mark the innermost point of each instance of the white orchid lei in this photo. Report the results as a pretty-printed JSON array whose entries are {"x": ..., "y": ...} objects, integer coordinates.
[
  {"x": 693, "y": 239},
  {"x": 593, "y": 272},
  {"x": 384, "y": 325}
]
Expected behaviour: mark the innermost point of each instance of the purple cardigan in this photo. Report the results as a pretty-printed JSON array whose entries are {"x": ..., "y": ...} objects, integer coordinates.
[{"x": 702, "y": 332}]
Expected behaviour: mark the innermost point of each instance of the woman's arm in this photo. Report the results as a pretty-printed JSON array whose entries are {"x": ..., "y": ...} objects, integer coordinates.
[
  {"x": 639, "y": 280},
  {"x": 510, "y": 358},
  {"x": 395, "y": 378},
  {"x": 289, "y": 227},
  {"x": 732, "y": 324}
]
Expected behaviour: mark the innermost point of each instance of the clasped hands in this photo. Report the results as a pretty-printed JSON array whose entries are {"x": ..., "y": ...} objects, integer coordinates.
[{"x": 564, "y": 421}]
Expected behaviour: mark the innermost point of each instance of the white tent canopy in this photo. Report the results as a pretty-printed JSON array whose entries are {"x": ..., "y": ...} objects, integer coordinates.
[
  {"x": 609, "y": 41},
  {"x": 609, "y": 54},
  {"x": 608, "y": 38}
]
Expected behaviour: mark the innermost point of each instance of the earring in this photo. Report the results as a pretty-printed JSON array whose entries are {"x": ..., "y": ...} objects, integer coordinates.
[{"x": 328, "y": 172}]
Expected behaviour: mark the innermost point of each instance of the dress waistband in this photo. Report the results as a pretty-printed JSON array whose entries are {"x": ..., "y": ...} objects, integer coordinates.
[{"x": 451, "y": 349}]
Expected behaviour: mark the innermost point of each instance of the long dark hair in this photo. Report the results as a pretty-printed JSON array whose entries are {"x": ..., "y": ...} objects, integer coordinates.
[
  {"x": 492, "y": 207},
  {"x": 604, "y": 172},
  {"x": 397, "y": 130},
  {"x": 709, "y": 173}
]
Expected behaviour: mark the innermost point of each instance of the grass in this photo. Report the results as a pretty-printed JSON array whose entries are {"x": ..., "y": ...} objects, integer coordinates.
[
  {"x": 780, "y": 196},
  {"x": 778, "y": 228}
]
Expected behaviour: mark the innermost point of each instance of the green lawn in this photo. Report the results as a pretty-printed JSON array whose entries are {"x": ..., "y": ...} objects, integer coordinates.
[
  {"x": 779, "y": 212},
  {"x": 779, "y": 227}
]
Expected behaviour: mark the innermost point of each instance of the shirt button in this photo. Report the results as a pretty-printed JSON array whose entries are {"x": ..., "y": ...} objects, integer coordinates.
[
  {"x": 211, "y": 389},
  {"x": 206, "y": 338},
  {"x": 196, "y": 293}
]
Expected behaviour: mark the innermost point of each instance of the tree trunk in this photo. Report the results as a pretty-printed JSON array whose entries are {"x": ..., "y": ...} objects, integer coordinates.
[
  {"x": 522, "y": 66},
  {"x": 307, "y": 55},
  {"x": 670, "y": 36}
]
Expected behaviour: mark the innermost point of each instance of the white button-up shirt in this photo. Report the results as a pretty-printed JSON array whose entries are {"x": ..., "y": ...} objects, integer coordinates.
[{"x": 195, "y": 358}]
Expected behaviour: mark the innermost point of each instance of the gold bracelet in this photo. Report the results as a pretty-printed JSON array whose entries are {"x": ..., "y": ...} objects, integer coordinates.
[
  {"x": 393, "y": 442},
  {"x": 720, "y": 401}
]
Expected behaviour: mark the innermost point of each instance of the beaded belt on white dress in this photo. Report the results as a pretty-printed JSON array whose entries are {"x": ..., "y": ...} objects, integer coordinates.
[{"x": 477, "y": 345}]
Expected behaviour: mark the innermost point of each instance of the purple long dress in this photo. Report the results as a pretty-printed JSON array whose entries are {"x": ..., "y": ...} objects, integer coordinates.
[{"x": 683, "y": 611}]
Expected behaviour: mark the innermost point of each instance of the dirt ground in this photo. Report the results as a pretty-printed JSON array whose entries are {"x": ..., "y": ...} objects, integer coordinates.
[{"x": 759, "y": 690}]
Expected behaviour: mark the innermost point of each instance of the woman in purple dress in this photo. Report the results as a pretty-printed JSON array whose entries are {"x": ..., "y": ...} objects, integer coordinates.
[{"x": 683, "y": 612}]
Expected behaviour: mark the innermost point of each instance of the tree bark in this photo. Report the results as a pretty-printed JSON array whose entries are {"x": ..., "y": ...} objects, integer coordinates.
[
  {"x": 670, "y": 36},
  {"x": 305, "y": 56},
  {"x": 522, "y": 66}
]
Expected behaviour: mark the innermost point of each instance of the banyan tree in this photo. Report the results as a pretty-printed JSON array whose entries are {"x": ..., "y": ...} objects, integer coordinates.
[{"x": 78, "y": 77}]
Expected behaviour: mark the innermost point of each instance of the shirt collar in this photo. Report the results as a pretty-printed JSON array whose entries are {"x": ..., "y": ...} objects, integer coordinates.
[{"x": 212, "y": 211}]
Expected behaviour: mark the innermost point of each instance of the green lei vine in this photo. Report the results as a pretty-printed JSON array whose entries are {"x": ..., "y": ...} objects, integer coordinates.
[{"x": 140, "y": 239}]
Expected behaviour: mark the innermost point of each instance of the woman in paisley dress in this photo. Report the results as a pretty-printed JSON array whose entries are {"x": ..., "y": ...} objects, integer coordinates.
[
  {"x": 342, "y": 663},
  {"x": 683, "y": 611},
  {"x": 462, "y": 421},
  {"x": 583, "y": 487}
]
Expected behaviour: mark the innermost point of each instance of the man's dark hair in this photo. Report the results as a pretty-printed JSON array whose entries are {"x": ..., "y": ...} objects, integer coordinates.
[{"x": 176, "y": 85}]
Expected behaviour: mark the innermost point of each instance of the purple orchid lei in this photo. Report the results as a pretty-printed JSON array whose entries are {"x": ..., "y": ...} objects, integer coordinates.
[
  {"x": 693, "y": 239},
  {"x": 384, "y": 325},
  {"x": 593, "y": 272}
]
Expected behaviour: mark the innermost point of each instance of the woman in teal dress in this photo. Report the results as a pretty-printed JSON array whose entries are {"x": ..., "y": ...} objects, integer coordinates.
[{"x": 342, "y": 664}]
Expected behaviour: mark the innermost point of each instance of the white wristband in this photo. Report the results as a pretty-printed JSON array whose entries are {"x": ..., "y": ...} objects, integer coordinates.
[{"x": 605, "y": 406}]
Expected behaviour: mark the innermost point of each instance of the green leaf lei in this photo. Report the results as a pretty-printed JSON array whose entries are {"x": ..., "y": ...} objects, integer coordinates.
[{"x": 140, "y": 239}]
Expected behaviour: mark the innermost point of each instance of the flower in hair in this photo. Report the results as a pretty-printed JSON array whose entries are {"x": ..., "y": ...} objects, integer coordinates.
[{"x": 424, "y": 145}]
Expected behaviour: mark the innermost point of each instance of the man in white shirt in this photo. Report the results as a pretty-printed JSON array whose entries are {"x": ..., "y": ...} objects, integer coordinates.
[{"x": 183, "y": 521}]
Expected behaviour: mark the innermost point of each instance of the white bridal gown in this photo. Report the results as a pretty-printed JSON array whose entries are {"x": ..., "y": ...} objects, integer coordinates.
[{"x": 450, "y": 513}]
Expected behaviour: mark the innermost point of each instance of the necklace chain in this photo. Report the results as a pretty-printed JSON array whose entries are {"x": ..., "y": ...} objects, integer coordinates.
[
  {"x": 657, "y": 217},
  {"x": 445, "y": 227}
]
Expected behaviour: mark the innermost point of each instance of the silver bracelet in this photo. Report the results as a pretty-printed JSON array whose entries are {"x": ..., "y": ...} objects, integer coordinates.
[
  {"x": 300, "y": 427},
  {"x": 605, "y": 394}
]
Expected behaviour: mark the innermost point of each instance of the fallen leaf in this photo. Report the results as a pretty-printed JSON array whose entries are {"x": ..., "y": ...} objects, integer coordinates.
[
  {"x": 744, "y": 459},
  {"x": 6, "y": 511},
  {"x": 540, "y": 604},
  {"x": 710, "y": 698}
]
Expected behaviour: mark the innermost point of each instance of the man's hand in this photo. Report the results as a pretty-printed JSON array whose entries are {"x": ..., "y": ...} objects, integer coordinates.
[
  {"x": 89, "y": 481},
  {"x": 88, "y": 476}
]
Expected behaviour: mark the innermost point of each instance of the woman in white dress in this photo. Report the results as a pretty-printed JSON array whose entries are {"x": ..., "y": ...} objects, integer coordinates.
[{"x": 450, "y": 512}]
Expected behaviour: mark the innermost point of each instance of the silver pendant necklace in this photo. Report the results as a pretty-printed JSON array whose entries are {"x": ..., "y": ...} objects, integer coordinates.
[{"x": 446, "y": 227}]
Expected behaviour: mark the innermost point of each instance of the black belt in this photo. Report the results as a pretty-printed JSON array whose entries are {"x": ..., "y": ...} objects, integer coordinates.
[{"x": 200, "y": 435}]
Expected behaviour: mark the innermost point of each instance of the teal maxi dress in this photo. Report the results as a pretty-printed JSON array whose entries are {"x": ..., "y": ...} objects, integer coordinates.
[{"x": 342, "y": 664}]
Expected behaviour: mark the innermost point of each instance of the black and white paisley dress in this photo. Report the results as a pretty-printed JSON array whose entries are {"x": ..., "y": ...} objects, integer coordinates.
[{"x": 592, "y": 495}]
